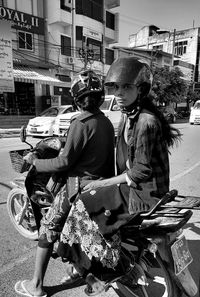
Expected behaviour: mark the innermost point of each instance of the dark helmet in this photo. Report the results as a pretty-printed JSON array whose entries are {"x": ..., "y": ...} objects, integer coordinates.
[
  {"x": 85, "y": 83},
  {"x": 129, "y": 70}
]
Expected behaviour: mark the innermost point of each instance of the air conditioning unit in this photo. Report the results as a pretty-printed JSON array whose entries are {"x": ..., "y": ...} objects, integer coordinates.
[{"x": 70, "y": 60}]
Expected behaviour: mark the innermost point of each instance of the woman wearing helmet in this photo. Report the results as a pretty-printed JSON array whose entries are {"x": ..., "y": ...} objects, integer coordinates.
[
  {"x": 144, "y": 134},
  {"x": 88, "y": 154},
  {"x": 142, "y": 173}
]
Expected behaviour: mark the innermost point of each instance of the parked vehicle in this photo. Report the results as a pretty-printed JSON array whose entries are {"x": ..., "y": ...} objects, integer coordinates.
[
  {"x": 169, "y": 113},
  {"x": 42, "y": 125},
  {"x": 62, "y": 123},
  {"x": 109, "y": 108},
  {"x": 195, "y": 113},
  {"x": 153, "y": 241},
  {"x": 182, "y": 110}
]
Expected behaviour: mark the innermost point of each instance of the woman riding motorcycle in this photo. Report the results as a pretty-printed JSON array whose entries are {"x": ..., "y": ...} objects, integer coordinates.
[
  {"x": 91, "y": 229},
  {"x": 88, "y": 154}
]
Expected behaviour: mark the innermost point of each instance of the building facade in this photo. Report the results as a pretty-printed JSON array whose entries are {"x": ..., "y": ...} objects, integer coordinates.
[
  {"x": 34, "y": 77},
  {"x": 183, "y": 45},
  {"x": 52, "y": 40},
  {"x": 78, "y": 36}
]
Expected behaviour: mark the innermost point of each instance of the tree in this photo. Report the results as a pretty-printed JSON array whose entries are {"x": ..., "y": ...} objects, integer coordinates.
[
  {"x": 193, "y": 96},
  {"x": 168, "y": 85}
]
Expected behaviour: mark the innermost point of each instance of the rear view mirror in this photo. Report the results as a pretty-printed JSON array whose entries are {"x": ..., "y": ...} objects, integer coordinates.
[{"x": 23, "y": 133}]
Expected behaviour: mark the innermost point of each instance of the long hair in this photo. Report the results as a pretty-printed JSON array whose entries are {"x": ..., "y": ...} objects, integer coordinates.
[{"x": 170, "y": 134}]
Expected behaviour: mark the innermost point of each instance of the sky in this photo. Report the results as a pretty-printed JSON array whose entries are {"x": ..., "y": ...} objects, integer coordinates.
[{"x": 165, "y": 14}]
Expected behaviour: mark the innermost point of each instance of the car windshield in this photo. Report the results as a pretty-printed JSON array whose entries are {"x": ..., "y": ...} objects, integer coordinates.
[
  {"x": 50, "y": 112},
  {"x": 54, "y": 111},
  {"x": 106, "y": 104},
  {"x": 65, "y": 109},
  {"x": 197, "y": 105}
]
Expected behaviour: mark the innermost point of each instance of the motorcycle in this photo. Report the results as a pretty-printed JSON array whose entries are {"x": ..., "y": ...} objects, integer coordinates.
[
  {"x": 160, "y": 249},
  {"x": 33, "y": 192},
  {"x": 153, "y": 241}
]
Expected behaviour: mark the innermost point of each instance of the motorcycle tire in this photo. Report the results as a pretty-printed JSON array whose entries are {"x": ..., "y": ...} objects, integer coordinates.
[
  {"x": 158, "y": 279},
  {"x": 15, "y": 201}
]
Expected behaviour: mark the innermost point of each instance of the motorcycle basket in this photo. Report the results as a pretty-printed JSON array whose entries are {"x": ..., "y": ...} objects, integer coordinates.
[{"x": 17, "y": 161}]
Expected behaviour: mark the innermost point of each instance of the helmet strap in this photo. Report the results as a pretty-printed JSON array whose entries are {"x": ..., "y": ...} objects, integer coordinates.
[{"x": 132, "y": 108}]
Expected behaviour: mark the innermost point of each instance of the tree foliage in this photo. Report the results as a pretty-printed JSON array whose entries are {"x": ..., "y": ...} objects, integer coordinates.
[
  {"x": 193, "y": 96},
  {"x": 168, "y": 85}
]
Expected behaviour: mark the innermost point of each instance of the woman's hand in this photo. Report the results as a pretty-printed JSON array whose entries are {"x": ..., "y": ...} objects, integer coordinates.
[
  {"x": 30, "y": 158},
  {"x": 94, "y": 185},
  {"x": 115, "y": 180}
]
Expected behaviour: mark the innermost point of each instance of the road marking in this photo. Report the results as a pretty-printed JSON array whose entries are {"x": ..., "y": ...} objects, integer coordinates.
[{"x": 185, "y": 172}]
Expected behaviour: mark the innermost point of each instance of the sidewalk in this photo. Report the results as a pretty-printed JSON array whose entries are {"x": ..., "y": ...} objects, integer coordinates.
[{"x": 9, "y": 132}]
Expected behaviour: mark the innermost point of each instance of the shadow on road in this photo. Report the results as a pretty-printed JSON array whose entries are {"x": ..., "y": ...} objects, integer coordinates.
[
  {"x": 51, "y": 290},
  {"x": 192, "y": 227},
  {"x": 5, "y": 185},
  {"x": 1, "y": 203}
]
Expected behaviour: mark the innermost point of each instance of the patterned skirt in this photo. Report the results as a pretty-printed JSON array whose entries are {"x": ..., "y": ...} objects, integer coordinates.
[
  {"x": 79, "y": 235},
  {"x": 79, "y": 229}
]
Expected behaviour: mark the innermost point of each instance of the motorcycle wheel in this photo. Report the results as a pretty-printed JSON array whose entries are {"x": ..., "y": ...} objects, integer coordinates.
[
  {"x": 160, "y": 283},
  {"x": 15, "y": 201}
]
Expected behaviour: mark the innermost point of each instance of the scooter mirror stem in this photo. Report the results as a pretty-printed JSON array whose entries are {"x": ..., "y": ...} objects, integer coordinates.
[{"x": 23, "y": 136}]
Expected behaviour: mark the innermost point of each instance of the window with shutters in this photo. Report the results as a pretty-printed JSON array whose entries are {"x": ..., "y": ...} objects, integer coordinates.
[
  {"x": 3, "y": 3},
  {"x": 25, "y": 40},
  {"x": 180, "y": 48},
  {"x": 95, "y": 48},
  {"x": 66, "y": 5},
  {"x": 65, "y": 45},
  {"x": 110, "y": 20},
  {"x": 90, "y": 8},
  {"x": 109, "y": 56}
]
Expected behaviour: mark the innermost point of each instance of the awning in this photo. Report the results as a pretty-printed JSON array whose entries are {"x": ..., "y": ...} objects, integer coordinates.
[{"x": 35, "y": 75}]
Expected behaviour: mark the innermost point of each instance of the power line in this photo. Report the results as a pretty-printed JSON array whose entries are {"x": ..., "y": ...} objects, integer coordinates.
[{"x": 126, "y": 17}]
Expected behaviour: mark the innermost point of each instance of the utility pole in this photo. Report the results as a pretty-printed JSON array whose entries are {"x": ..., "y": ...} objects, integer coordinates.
[
  {"x": 173, "y": 47},
  {"x": 103, "y": 39},
  {"x": 73, "y": 34}
]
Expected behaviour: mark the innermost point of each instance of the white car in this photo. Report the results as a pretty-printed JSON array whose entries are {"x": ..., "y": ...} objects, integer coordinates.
[
  {"x": 112, "y": 111},
  {"x": 42, "y": 125},
  {"x": 62, "y": 123},
  {"x": 195, "y": 113},
  {"x": 109, "y": 108}
]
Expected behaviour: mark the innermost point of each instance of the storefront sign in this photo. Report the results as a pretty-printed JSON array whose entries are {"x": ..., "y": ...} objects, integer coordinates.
[
  {"x": 92, "y": 34},
  {"x": 55, "y": 100},
  {"x": 6, "y": 63},
  {"x": 22, "y": 21}
]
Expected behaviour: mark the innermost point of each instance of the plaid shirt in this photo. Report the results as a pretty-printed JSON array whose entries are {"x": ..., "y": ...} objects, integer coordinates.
[{"x": 146, "y": 152}]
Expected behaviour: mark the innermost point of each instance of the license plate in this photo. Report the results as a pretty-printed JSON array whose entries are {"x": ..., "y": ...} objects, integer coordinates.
[
  {"x": 181, "y": 255},
  {"x": 33, "y": 129}
]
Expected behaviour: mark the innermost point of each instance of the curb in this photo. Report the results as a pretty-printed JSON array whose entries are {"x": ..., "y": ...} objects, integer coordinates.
[{"x": 8, "y": 133}]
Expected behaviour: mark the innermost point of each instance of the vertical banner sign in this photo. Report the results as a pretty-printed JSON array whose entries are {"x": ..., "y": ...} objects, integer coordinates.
[
  {"x": 55, "y": 100},
  {"x": 6, "y": 61}
]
